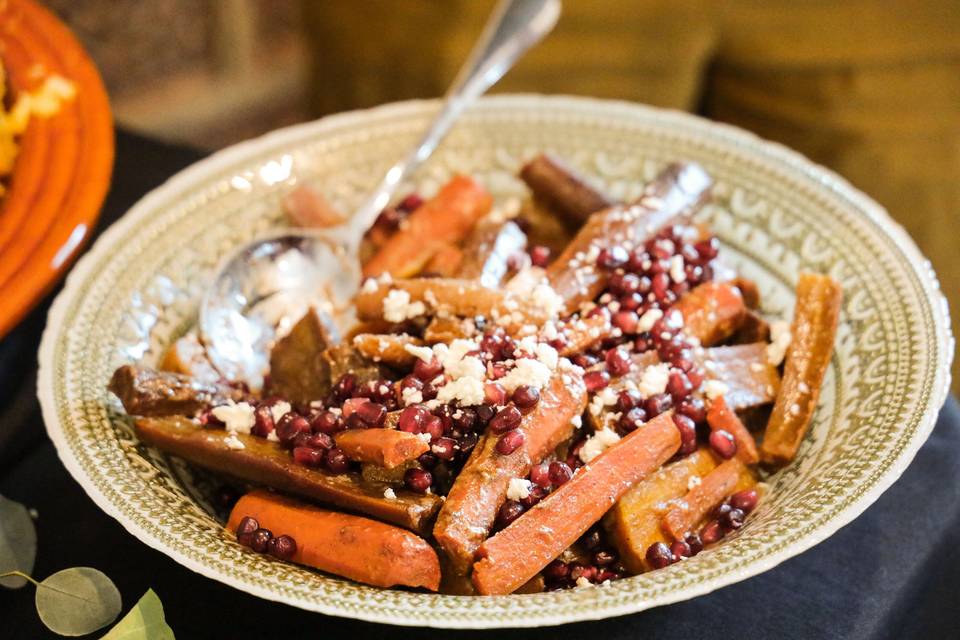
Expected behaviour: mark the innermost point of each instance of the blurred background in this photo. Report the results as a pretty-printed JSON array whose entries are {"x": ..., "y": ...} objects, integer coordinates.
[{"x": 870, "y": 88}]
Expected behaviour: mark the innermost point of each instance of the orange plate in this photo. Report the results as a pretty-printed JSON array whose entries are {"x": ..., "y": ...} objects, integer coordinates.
[{"x": 63, "y": 170}]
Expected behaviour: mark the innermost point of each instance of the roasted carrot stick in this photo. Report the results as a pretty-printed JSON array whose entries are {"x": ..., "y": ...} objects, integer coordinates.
[
  {"x": 750, "y": 379},
  {"x": 699, "y": 501},
  {"x": 675, "y": 192},
  {"x": 711, "y": 312},
  {"x": 634, "y": 522},
  {"x": 446, "y": 218},
  {"x": 583, "y": 333},
  {"x": 388, "y": 348},
  {"x": 813, "y": 333},
  {"x": 445, "y": 262},
  {"x": 516, "y": 554},
  {"x": 145, "y": 392},
  {"x": 447, "y": 329},
  {"x": 721, "y": 417},
  {"x": 384, "y": 447},
  {"x": 562, "y": 189},
  {"x": 471, "y": 506},
  {"x": 345, "y": 545},
  {"x": 488, "y": 250}
]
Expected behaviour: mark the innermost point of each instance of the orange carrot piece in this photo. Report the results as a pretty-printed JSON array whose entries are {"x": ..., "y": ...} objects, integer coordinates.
[
  {"x": 562, "y": 189},
  {"x": 720, "y": 416},
  {"x": 814, "y": 332},
  {"x": 445, "y": 262},
  {"x": 751, "y": 381},
  {"x": 446, "y": 218},
  {"x": 712, "y": 312},
  {"x": 583, "y": 333},
  {"x": 351, "y": 546},
  {"x": 467, "y": 515},
  {"x": 384, "y": 447},
  {"x": 519, "y": 552},
  {"x": 388, "y": 348},
  {"x": 699, "y": 501}
]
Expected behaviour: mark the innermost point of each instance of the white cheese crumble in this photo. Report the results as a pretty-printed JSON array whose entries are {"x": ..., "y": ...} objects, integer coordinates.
[
  {"x": 424, "y": 353},
  {"x": 576, "y": 421},
  {"x": 272, "y": 437},
  {"x": 409, "y": 395},
  {"x": 279, "y": 410},
  {"x": 236, "y": 417},
  {"x": 598, "y": 443},
  {"x": 389, "y": 494},
  {"x": 544, "y": 297},
  {"x": 369, "y": 286},
  {"x": 233, "y": 442},
  {"x": 526, "y": 372},
  {"x": 426, "y": 437},
  {"x": 468, "y": 391},
  {"x": 654, "y": 379},
  {"x": 780, "y": 338},
  {"x": 583, "y": 582},
  {"x": 677, "y": 273},
  {"x": 713, "y": 389},
  {"x": 648, "y": 319},
  {"x": 803, "y": 387},
  {"x": 693, "y": 482},
  {"x": 519, "y": 489},
  {"x": 397, "y": 306},
  {"x": 547, "y": 355}
]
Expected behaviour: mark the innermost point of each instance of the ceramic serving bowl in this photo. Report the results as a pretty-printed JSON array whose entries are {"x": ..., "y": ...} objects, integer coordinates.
[{"x": 137, "y": 290}]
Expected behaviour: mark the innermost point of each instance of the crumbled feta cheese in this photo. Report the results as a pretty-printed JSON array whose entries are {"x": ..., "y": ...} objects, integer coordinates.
[
  {"x": 369, "y": 286},
  {"x": 468, "y": 391},
  {"x": 550, "y": 331},
  {"x": 544, "y": 297},
  {"x": 233, "y": 442},
  {"x": 757, "y": 367},
  {"x": 803, "y": 387},
  {"x": 272, "y": 437},
  {"x": 519, "y": 489},
  {"x": 713, "y": 389},
  {"x": 654, "y": 379},
  {"x": 424, "y": 353},
  {"x": 598, "y": 443},
  {"x": 389, "y": 494},
  {"x": 576, "y": 421},
  {"x": 677, "y": 273},
  {"x": 780, "y": 338},
  {"x": 526, "y": 372},
  {"x": 547, "y": 355},
  {"x": 583, "y": 582},
  {"x": 426, "y": 437},
  {"x": 279, "y": 410},
  {"x": 409, "y": 395},
  {"x": 385, "y": 278},
  {"x": 397, "y": 306},
  {"x": 795, "y": 409},
  {"x": 236, "y": 417},
  {"x": 693, "y": 482},
  {"x": 648, "y": 319}
]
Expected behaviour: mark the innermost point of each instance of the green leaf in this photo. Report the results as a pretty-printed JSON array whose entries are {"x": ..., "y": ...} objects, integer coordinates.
[
  {"x": 77, "y": 601},
  {"x": 144, "y": 622},
  {"x": 18, "y": 542}
]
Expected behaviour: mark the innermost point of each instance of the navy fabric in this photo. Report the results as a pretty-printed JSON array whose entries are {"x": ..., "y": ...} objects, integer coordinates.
[{"x": 892, "y": 573}]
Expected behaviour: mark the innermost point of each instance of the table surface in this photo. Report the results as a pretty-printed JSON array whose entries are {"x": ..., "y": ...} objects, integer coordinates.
[{"x": 892, "y": 573}]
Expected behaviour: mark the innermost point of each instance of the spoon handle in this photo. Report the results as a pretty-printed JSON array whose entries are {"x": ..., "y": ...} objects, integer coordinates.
[{"x": 513, "y": 27}]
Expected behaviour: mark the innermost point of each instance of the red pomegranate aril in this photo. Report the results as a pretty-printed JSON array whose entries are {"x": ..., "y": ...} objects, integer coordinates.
[
  {"x": 373, "y": 414},
  {"x": 707, "y": 249},
  {"x": 694, "y": 543},
  {"x": 657, "y": 404},
  {"x": 326, "y": 422},
  {"x": 683, "y": 360},
  {"x": 417, "y": 480},
  {"x": 695, "y": 376},
  {"x": 638, "y": 258},
  {"x": 560, "y": 473},
  {"x": 508, "y": 512},
  {"x": 596, "y": 380},
  {"x": 308, "y": 456},
  {"x": 643, "y": 343},
  {"x": 464, "y": 419},
  {"x": 485, "y": 413},
  {"x": 540, "y": 256},
  {"x": 245, "y": 529},
  {"x": 413, "y": 418},
  {"x": 723, "y": 444},
  {"x": 659, "y": 555},
  {"x": 680, "y": 549},
  {"x": 632, "y": 419},
  {"x": 262, "y": 421},
  {"x": 526, "y": 397},
  {"x": 712, "y": 532},
  {"x": 679, "y": 288},
  {"x": 537, "y": 493},
  {"x": 289, "y": 426},
  {"x": 693, "y": 408},
  {"x": 428, "y": 392},
  {"x": 603, "y": 558},
  {"x": 506, "y": 419},
  {"x": 556, "y": 571},
  {"x": 411, "y": 202},
  {"x": 612, "y": 258},
  {"x": 259, "y": 540},
  {"x": 428, "y": 460},
  {"x": 745, "y": 500},
  {"x": 584, "y": 571},
  {"x": 678, "y": 386},
  {"x": 336, "y": 461},
  {"x": 345, "y": 386},
  {"x": 601, "y": 310},
  {"x": 658, "y": 266},
  {"x": 660, "y": 286},
  {"x": 694, "y": 273},
  {"x": 510, "y": 442},
  {"x": 320, "y": 441},
  {"x": 389, "y": 218},
  {"x": 688, "y": 433},
  {"x": 628, "y": 399},
  {"x": 626, "y": 321},
  {"x": 722, "y": 509},
  {"x": 282, "y": 547},
  {"x": 629, "y": 283},
  {"x": 444, "y": 448},
  {"x": 630, "y": 302},
  {"x": 690, "y": 254},
  {"x": 494, "y": 394},
  {"x": 618, "y": 361},
  {"x": 354, "y": 421},
  {"x": 540, "y": 475},
  {"x": 732, "y": 520},
  {"x": 427, "y": 371},
  {"x": 302, "y": 440},
  {"x": 661, "y": 248},
  {"x": 351, "y": 405},
  {"x": 584, "y": 360},
  {"x": 433, "y": 426}
]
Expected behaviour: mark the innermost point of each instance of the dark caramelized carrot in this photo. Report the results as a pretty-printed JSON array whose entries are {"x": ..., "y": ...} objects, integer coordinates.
[{"x": 561, "y": 189}]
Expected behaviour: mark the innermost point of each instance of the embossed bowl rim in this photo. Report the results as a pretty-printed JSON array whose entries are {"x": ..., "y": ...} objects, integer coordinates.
[{"x": 727, "y": 135}]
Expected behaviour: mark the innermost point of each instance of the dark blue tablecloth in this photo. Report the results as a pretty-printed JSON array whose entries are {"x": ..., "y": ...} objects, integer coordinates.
[{"x": 893, "y": 573}]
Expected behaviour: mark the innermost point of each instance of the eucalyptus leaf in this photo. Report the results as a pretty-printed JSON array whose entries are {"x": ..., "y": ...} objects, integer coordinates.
[
  {"x": 144, "y": 622},
  {"x": 18, "y": 542},
  {"x": 77, "y": 601}
]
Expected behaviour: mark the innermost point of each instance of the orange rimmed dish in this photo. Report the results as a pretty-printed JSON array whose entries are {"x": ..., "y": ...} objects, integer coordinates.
[{"x": 62, "y": 170}]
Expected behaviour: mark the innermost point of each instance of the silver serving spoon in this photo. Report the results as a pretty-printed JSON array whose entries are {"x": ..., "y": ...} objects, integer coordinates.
[{"x": 269, "y": 283}]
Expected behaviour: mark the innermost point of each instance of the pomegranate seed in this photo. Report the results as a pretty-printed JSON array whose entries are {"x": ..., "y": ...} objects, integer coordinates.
[
  {"x": 694, "y": 273},
  {"x": 603, "y": 558},
  {"x": 537, "y": 493},
  {"x": 745, "y": 500},
  {"x": 427, "y": 371},
  {"x": 657, "y": 404},
  {"x": 282, "y": 547},
  {"x": 433, "y": 426},
  {"x": 428, "y": 460},
  {"x": 690, "y": 254},
  {"x": 389, "y": 219},
  {"x": 624, "y": 284},
  {"x": 508, "y": 512},
  {"x": 526, "y": 397},
  {"x": 694, "y": 543},
  {"x": 695, "y": 376},
  {"x": 596, "y": 380},
  {"x": 540, "y": 256},
  {"x": 263, "y": 421},
  {"x": 592, "y": 538},
  {"x": 658, "y": 555},
  {"x": 732, "y": 520},
  {"x": 643, "y": 343},
  {"x": 559, "y": 472},
  {"x": 354, "y": 421},
  {"x": 638, "y": 259},
  {"x": 485, "y": 413},
  {"x": 578, "y": 571},
  {"x": 630, "y": 302},
  {"x": 722, "y": 509},
  {"x": 506, "y": 419},
  {"x": 660, "y": 286},
  {"x": 678, "y": 386},
  {"x": 445, "y": 448},
  {"x": 494, "y": 393},
  {"x": 345, "y": 386},
  {"x": 585, "y": 360},
  {"x": 688, "y": 433},
  {"x": 628, "y": 399},
  {"x": 411, "y": 202},
  {"x": 723, "y": 444},
  {"x": 680, "y": 549},
  {"x": 467, "y": 443},
  {"x": 556, "y": 571},
  {"x": 632, "y": 419},
  {"x": 417, "y": 480},
  {"x": 308, "y": 456},
  {"x": 618, "y": 361},
  {"x": 351, "y": 405},
  {"x": 337, "y": 461},
  {"x": 326, "y": 422},
  {"x": 245, "y": 530},
  {"x": 289, "y": 426},
  {"x": 626, "y": 320},
  {"x": 510, "y": 442},
  {"x": 711, "y": 532},
  {"x": 259, "y": 540},
  {"x": 413, "y": 418},
  {"x": 708, "y": 249},
  {"x": 319, "y": 441},
  {"x": 693, "y": 408},
  {"x": 540, "y": 475},
  {"x": 661, "y": 248},
  {"x": 612, "y": 258},
  {"x": 373, "y": 414},
  {"x": 465, "y": 419},
  {"x": 602, "y": 310},
  {"x": 428, "y": 392}
]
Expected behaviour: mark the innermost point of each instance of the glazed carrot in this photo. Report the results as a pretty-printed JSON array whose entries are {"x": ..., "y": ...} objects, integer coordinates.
[
  {"x": 720, "y": 416},
  {"x": 519, "y": 552},
  {"x": 753, "y": 329},
  {"x": 388, "y": 348},
  {"x": 562, "y": 189},
  {"x": 699, "y": 501},
  {"x": 357, "y": 548},
  {"x": 634, "y": 522},
  {"x": 471, "y": 506},
  {"x": 446, "y": 218},
  {"x": 445, "y": 262},
  {"x": 711, "y": 312},
  {"x": 583, "y": 333},
  {"x": 146, "y": 392},
  {"x": 267, "y": 463},
  {"x": 487, "y": 252},
  {"x": 306, "y": 207},
  {"x": 674, "y": 193},
  {"x": 447, "y": 329},
  {"x": 743, "y": 369},
  {"x": 749, "y": 290},
  {"x": 383, "y": 447},
  {"x": 813, "y": 333}
]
